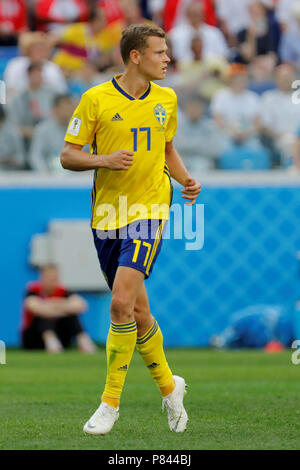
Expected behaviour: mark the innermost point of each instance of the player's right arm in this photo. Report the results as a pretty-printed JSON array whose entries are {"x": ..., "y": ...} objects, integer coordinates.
[
  {"x": 73, "y": 158},
  {"x": 81, "y": 131}
]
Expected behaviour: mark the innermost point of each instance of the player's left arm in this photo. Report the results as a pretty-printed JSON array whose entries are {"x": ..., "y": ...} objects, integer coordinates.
[{"x": 179, "y": 172}]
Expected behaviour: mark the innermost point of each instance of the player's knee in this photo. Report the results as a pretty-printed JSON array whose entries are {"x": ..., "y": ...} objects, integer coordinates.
[
  {"x": 121, "y": 309},
  {"x": 141, "y": 315}
]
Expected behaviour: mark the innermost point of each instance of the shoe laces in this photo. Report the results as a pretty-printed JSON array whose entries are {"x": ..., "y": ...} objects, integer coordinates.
[
  {"x": 172, "y": 409},
  {"x": 105, "y": 410}
]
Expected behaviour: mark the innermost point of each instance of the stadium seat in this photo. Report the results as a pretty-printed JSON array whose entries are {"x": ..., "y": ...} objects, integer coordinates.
[{"x": 240, "y": 157}]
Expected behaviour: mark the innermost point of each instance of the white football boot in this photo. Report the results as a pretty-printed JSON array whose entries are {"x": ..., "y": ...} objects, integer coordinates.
[
  {"x": 102, "y": 420},
  {"x": 177, "y": 416}
]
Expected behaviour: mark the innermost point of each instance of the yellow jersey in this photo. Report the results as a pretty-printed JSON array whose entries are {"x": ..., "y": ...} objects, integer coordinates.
[{"x": 109, "y": 119}]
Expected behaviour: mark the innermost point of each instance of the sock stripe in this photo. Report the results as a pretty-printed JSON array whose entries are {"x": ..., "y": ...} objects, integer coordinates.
[
  {"x": 124, "y": 327},
  {"x": 132, "y": 330},
  {"x": 140, "y": 338},
  {"x": 121, "y": 325},
  {"x": 129, "y": 330},
  {"x": 149, "y": 334}
]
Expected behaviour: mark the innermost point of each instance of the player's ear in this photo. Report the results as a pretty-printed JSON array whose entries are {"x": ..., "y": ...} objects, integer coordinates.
[{"x": 135, "y": 56}]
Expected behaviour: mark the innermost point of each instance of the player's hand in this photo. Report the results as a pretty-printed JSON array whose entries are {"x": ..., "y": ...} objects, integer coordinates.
[
  {"x": 191, "y": 191},
  {"x": 120, "y": 160}
]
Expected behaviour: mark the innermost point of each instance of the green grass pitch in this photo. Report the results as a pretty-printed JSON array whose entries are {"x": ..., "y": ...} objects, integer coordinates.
[{"x": 235, "y": 400}]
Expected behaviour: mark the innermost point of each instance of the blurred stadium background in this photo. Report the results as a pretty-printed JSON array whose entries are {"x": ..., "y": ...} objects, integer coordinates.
[{"x": 233, "y": 65}]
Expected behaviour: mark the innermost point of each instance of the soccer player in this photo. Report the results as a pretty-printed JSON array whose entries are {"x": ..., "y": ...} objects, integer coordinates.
[{"x": 129, "y": 123}]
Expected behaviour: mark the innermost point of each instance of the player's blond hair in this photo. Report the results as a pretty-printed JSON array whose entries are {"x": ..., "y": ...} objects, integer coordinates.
[{"x": 135, "y": 37}]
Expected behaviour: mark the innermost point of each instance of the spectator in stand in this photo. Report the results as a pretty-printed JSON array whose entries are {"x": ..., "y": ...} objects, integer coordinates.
[
  {"x": 210, "y": 14},
  {"x": 198, "y": 140},
  {"x": 156, "y": 8},
  {"x": 181, "y": 36},
  {"x": 51, "y": 15},
  {"x": 284, "y": 14},
  {"x": 11, "y": 145},
  {"x": 173, "y": 12},
  {"x": 236, "y": 111},
  {"x": 261, "y": 71},
  {"x": 84, "y": 79},
  {"x": 35, "y": 48},
  {"x": 80, "y": 42},
  {"x": 279, "y": 116},
  {"x": 32, "y": 105},
  {"x": 234, "y": 18},
  {"x": 132, "y": 13},
  {"x": 192, "y": 71},
  {"x": 50, "y": 315},
  {"x": 206, "y": 76},
  {"x": 13, "y": 21},
  {"x": 48, "y": 137},
  {"x": 289, "y": 49},
  {"x": 146, "y": 10},
  {"x": 111, "y": 8},
  {"x": 261, "y": 36}
]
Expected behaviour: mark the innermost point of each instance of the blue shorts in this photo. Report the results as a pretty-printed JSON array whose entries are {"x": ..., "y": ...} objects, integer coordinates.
[{"x": 137, "y": 246}]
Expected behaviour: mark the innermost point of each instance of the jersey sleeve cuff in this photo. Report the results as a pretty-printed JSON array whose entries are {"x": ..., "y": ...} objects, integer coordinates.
[{"x": 72, "y": 140}]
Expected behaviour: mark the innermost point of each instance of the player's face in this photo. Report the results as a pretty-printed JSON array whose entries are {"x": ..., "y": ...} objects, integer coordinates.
[{"x": 154, "y": 60}]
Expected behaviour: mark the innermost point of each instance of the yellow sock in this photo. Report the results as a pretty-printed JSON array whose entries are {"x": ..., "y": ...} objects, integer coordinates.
[
  {"x": 120, "y": 345},
  {"x": 150, "y": 347}
]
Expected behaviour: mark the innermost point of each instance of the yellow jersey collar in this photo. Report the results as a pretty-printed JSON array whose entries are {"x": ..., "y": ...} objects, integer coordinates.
[{"x": 123, "y": 92}]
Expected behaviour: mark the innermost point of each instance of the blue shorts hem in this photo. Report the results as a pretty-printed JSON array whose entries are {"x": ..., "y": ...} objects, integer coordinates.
[{"x": 134, "y": 266}]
